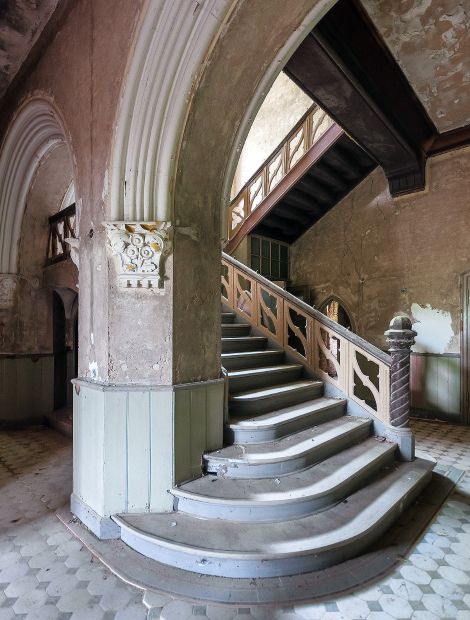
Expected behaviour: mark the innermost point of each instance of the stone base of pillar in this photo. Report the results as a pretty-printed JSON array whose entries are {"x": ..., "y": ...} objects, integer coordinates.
[
  {"x": 405, "y": 439},
  {"x": 134, "y": 443},
  {"x": 102, "y": 527}
]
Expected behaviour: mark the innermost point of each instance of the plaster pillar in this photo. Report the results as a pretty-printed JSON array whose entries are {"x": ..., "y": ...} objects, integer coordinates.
[
  {"x": 400, "y": 338},
  {"x": 8, "y": 282},
  {"x": 150, "y": 398}
]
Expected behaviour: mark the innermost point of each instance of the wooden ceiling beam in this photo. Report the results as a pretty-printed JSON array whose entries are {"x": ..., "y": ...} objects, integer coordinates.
[{"x": 345, "y": 66}]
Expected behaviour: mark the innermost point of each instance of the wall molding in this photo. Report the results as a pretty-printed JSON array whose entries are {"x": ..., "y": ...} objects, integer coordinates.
[{"x": 168, "y": 58}]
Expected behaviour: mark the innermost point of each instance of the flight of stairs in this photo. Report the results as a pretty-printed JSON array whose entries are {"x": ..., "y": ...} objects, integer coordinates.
[{"x": 299, "y": 486}]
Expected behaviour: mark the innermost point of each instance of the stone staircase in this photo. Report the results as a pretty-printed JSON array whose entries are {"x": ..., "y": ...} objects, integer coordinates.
[{"x": 299, "y": 486}]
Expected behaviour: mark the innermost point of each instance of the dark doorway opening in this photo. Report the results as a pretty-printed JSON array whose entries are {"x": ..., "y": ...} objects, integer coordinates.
[{"x": 60, "y": 352}]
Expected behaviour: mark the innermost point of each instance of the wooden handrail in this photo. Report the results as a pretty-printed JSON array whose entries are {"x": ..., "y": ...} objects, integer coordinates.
[
  {"x": 313, "y": 312},
  {"x": 294, "y": 130},
  {"x": 357, "y": 368},
  {"x": 298, "y": 142}
]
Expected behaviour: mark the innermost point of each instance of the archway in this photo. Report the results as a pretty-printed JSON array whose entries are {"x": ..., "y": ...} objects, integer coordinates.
[{"x": 36, "y": 171}]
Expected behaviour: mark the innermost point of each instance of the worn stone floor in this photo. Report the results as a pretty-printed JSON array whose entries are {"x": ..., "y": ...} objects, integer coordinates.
[{"x": 46, "y": 574}]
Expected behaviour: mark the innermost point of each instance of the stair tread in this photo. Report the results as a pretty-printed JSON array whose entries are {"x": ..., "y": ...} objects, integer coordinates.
[
  {"x": 236, "y": 325},
  {"x": 274, "y": 389},
  {"x": 287, "y": 414},
  {"x": 235, "y": 354},
  {"x": 240, "y": 338},
  {"x": 260, "y": 370},
  {"x": 335, "y": 527},
  {"x": 313, "y": 481},
  {"x": 288, "y": 447}
]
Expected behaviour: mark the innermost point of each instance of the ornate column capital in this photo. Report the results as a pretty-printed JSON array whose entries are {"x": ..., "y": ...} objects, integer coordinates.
[
  {"x": 8, "y": 282},
  {"x": 142, "y": 249}
]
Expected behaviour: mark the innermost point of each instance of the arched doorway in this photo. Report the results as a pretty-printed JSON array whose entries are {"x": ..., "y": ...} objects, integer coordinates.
[
  {"x": 36, "y": 173},
  {"x": 335, "y": 310}
]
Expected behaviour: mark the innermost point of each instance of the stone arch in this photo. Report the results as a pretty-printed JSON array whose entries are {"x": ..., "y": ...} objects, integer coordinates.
[
  {"x": 34, "y": 132},
  {"x": 179, "y": 53}
]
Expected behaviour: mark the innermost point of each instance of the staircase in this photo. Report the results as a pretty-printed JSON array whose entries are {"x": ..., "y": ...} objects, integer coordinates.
[
  {"x": 315, "y": 166},
  {"x": 299, "y": 486}
]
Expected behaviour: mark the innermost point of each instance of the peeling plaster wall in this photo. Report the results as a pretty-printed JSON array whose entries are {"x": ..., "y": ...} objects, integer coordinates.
[
  {"x": 283, "y": 107},
  {"x": 82, "y": 70},
  {"x": 383, "y": 256},
  {"x": 430, "y": 40}
]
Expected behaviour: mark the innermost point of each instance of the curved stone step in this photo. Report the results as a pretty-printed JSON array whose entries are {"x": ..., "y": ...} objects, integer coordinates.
[
  {"x": 254, "y": 402},
  {"x": 283, "y": 422},
  {"x": 265, "y": 376},
  {"x": 230, "y": 330},
  {"x": 291, "y": 496},
  {"x": 243, "y": 343},
  {"x": 231, "y": 549},
  {"x": 289, "y": 454},
  {"x": 252, "y": 359}
]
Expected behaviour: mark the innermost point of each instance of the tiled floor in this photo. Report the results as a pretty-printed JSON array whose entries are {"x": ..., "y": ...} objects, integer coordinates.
[{"x": 46, "y": 574}]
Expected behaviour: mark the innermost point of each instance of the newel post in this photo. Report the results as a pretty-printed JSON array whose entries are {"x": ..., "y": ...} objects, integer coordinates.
[{"x": 400, "y": 338}]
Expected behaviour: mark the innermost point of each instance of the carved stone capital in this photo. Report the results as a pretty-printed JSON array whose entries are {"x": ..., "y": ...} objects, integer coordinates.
[
  {"x": 400, "y": 336},
  {"x": 141, "y": 249},
  {"x": 8, "y": 282}
]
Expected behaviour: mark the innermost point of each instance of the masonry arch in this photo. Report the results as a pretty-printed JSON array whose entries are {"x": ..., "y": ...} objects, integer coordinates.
[
  {"x": 34, "y": 132},
  {"x": 36, "y": 175},
  {"x": 189, "y": 53}
]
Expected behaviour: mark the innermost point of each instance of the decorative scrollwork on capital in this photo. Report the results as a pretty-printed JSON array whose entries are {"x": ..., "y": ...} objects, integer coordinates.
[{"x": 142, "y": 248}]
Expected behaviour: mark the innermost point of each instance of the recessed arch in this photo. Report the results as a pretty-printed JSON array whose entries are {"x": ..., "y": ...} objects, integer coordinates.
[
  {"x": 344, "y": 315},
  {"x": 33, "y": 133}
]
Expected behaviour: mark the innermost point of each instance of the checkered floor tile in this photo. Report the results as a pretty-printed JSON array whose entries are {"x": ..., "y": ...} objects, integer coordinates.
[{"x": 46, "y": 574}]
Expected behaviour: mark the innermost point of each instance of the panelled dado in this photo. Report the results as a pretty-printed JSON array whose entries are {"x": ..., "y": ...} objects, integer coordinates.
[
  {"x": 133, "y": 443},
  {"x": 26, "y": 388}
]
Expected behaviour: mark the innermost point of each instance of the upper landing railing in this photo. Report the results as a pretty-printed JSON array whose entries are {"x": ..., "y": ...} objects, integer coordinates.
[
  {"x": 292, "y": 149},
  {"x": 375, "y": 380},
  {"x": 61, "y": 227}
]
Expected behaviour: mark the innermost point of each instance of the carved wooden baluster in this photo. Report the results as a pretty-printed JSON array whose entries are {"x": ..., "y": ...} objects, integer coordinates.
[{"x": 400, "y": 338}]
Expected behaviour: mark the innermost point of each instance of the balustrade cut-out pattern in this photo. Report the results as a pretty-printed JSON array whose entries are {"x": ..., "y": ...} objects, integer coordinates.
[
  {"x": 295, "y": 145},
  {"x": 332, "y": 352}
]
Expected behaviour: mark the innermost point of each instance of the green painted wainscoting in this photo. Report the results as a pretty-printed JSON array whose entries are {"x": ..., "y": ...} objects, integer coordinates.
[
  {"x": 435, "y": 386},
  {"x": 26, "y": 389}
]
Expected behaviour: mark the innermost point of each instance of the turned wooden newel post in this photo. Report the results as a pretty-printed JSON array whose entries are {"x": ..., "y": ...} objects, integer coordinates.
[{"x": 400, "y": 338}]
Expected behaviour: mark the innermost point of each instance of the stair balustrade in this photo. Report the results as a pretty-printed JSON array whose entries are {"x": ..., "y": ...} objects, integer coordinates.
[
  {"x": 295, "y": 145},
  {"x": 360, "y": 370}
]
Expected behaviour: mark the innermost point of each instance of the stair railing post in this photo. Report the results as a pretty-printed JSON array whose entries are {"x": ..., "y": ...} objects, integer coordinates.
[{"x": 400, "y": 338}]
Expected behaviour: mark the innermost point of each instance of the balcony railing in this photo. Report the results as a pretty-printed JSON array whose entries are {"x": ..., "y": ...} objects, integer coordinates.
[
  {"x": 61, "y": 227},
  {"x": 292, "y": 149}
]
